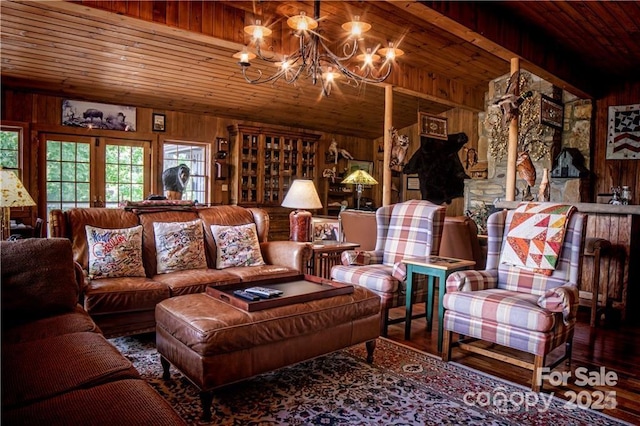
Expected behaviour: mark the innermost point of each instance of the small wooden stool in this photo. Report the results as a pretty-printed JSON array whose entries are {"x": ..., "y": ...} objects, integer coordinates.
[{"x": 595, "y": 247}]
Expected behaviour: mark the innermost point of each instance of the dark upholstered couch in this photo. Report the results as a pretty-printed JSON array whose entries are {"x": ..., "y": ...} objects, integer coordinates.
[
  {"x": 57, "y": 368},
  {"x": 126, "y": 305}
]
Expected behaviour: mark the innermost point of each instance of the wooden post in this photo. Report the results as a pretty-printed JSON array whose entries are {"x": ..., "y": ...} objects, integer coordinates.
[
  {"x": 512, "y": 150},
  {"x": 388, "y": 123}
]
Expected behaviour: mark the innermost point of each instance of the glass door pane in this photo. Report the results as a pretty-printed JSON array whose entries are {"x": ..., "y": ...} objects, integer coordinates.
[
  {"x": 126, "y": 175},
  {"x": 68, "y": 172}
]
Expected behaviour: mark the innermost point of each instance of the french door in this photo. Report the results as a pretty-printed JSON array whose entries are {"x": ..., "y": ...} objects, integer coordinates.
[{"x": 85, "y": 171}]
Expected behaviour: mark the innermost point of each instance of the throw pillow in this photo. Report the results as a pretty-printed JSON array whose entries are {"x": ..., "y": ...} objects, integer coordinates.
[
  {"x": 237, "y": 245},
  {"x": 115, "y": 252},
  {"x": 179, "y": 246}
]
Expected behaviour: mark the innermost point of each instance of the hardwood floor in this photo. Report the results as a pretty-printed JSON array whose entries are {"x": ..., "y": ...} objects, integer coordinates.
[{"x": 612, "y": 345}]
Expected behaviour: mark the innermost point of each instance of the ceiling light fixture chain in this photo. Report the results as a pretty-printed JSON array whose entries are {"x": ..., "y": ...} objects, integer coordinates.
[{"x": 315, "y": 59}]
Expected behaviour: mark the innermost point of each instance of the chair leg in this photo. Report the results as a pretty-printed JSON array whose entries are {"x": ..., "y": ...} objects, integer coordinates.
[
  {"x": 568, "y": 347},
  {"x": 538, "y": 363},
  {"x": 446, "y": 345}
]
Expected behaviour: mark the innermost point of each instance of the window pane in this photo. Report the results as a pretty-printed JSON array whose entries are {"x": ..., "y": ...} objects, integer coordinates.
[
  {"x": 53, "y": 192},
  {"x": 68, "y": 191},
  {"x": 68, "y": 151},
  {"x": 82, "y": 172},
  {"x": 112, "y": 154},
  {"x": 82, "y": 192},
  {"x": 54, "y": 151},
  {"x": 68, "y": 172}
]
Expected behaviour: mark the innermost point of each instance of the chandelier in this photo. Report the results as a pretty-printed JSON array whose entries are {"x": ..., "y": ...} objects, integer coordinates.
[{"x": 314, "y": 59}]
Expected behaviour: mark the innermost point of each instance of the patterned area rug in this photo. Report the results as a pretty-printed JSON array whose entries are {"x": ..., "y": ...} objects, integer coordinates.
[{"x": 402, "y": 387}]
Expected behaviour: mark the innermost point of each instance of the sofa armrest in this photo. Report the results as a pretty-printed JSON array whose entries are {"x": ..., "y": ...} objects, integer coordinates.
[
  {"x": 292, "y": 254},
  {"x": 563, "y": 299},
  {"x": 472, "y": 280}
]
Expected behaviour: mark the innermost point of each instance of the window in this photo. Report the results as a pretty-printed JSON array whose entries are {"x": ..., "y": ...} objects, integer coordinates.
[
  {"x": 10, "y": 139},
  {"x": 94, "y": 172},
  {"x": 195, "y": 156}
]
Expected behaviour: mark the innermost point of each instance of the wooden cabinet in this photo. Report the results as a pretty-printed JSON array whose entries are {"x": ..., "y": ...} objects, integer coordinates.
[{"x": 265, "y": 161}]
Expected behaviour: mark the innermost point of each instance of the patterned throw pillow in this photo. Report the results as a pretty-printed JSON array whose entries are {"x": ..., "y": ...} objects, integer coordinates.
[
  {"x": 115, "y": 252},
  {"x": 237, "y": 245},
  {"x": 179, "y": 246}
]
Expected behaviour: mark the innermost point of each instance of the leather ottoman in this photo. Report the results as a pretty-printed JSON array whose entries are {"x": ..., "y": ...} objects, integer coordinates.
[{"x": 214, "y": 343}]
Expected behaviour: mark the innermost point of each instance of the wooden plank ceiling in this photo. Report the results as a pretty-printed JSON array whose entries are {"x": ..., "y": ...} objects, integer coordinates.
[{"x": 177, "y": 55}]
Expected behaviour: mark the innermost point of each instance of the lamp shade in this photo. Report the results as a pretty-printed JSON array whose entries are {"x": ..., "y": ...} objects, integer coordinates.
[
  {"x": 12, "y": 192},
  {"x": 302, "y": 195},
  {"x": 360, "y": 177}
]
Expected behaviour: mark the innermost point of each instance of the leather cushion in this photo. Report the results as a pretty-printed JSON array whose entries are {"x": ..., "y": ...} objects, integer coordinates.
[{"x": 125, "y": 294}]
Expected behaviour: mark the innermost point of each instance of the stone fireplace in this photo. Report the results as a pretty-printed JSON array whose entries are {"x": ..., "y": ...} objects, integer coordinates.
[{"x": 544, "y": 142}]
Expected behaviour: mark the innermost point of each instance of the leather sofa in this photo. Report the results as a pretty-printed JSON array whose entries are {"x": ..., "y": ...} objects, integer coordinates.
[
  {"x": 57, "y": 368},
  {"x": 126, "y": 305}
]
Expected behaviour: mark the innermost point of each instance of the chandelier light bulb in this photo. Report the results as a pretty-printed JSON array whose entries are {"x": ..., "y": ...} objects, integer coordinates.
[
  {"x": 356, "y": 27},
  {"x": 244, "y": 56},
  {"x": 257, "y": 31}
]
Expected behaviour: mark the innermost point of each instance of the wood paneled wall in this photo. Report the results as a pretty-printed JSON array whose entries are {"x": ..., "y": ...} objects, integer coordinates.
[{"x": 614, "y": 172}]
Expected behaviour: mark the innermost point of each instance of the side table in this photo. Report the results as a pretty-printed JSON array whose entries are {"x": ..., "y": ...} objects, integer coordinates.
[
  {"x": 433, "y": 267},
  {"x": 325, "y": 255}
]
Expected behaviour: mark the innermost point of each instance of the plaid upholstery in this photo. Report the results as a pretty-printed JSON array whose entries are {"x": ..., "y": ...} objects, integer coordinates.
[
  {"x": 516, "y": 307},
  {"x": 539, "y": 343},
  {"x": 412, "y": 228}
]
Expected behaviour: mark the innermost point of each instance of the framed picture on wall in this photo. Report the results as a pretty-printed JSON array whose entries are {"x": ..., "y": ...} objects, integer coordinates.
[
  {"x": 432, "y": 126},
  {"x": 325, "y": 229},
  {"x": 354, "y": 165},
  {"x": 159, "y": 122},
  {"x": 413, "y": 183}
]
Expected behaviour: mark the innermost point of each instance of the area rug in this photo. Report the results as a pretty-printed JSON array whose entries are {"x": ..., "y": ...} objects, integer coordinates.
[{"x": 402, "y": 387}]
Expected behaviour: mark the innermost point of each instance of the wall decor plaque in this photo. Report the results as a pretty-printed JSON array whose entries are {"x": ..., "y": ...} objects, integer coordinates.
[
  {"x": 432, "y": 126},
  {"x": 623, "y": 132}
]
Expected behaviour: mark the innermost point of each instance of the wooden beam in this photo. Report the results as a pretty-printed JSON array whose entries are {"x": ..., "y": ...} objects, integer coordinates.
[
  {"x": 512, "y": 150},
  {"x": 388, "y": 123}
]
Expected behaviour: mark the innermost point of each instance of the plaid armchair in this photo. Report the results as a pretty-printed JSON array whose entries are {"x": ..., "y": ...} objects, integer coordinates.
[
  {"x": 516, "y": 307},
  {"x": 408, "y": 229}
]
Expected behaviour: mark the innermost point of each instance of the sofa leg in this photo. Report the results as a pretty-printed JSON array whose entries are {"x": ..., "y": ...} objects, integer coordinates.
[
  {"x": 165, "y": 368},
  {"x": 385, "y": 322},
  {"x": 206, "y": 398},
  {"x": 371, "y": 345}
]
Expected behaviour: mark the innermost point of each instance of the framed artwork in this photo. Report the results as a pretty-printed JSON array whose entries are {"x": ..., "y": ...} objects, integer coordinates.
[
  {"x": 94, "y": 115},
  {"x": 159, "y": 121},
  {"x": 413, "y": 183},
  {"x": 432, "y": 126},
  {"x": 623, "y": 132},
  {"x": 551, "y": 112},
  {"x": 325, "y": 229},
  {"x": 354, "y": 165}
]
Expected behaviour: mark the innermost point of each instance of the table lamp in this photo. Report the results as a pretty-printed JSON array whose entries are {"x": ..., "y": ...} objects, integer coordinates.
[
  {"x": 302, "y": 195},
  {"x": 360, "y": 178},
  {"x": 12, "y": 194}
]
